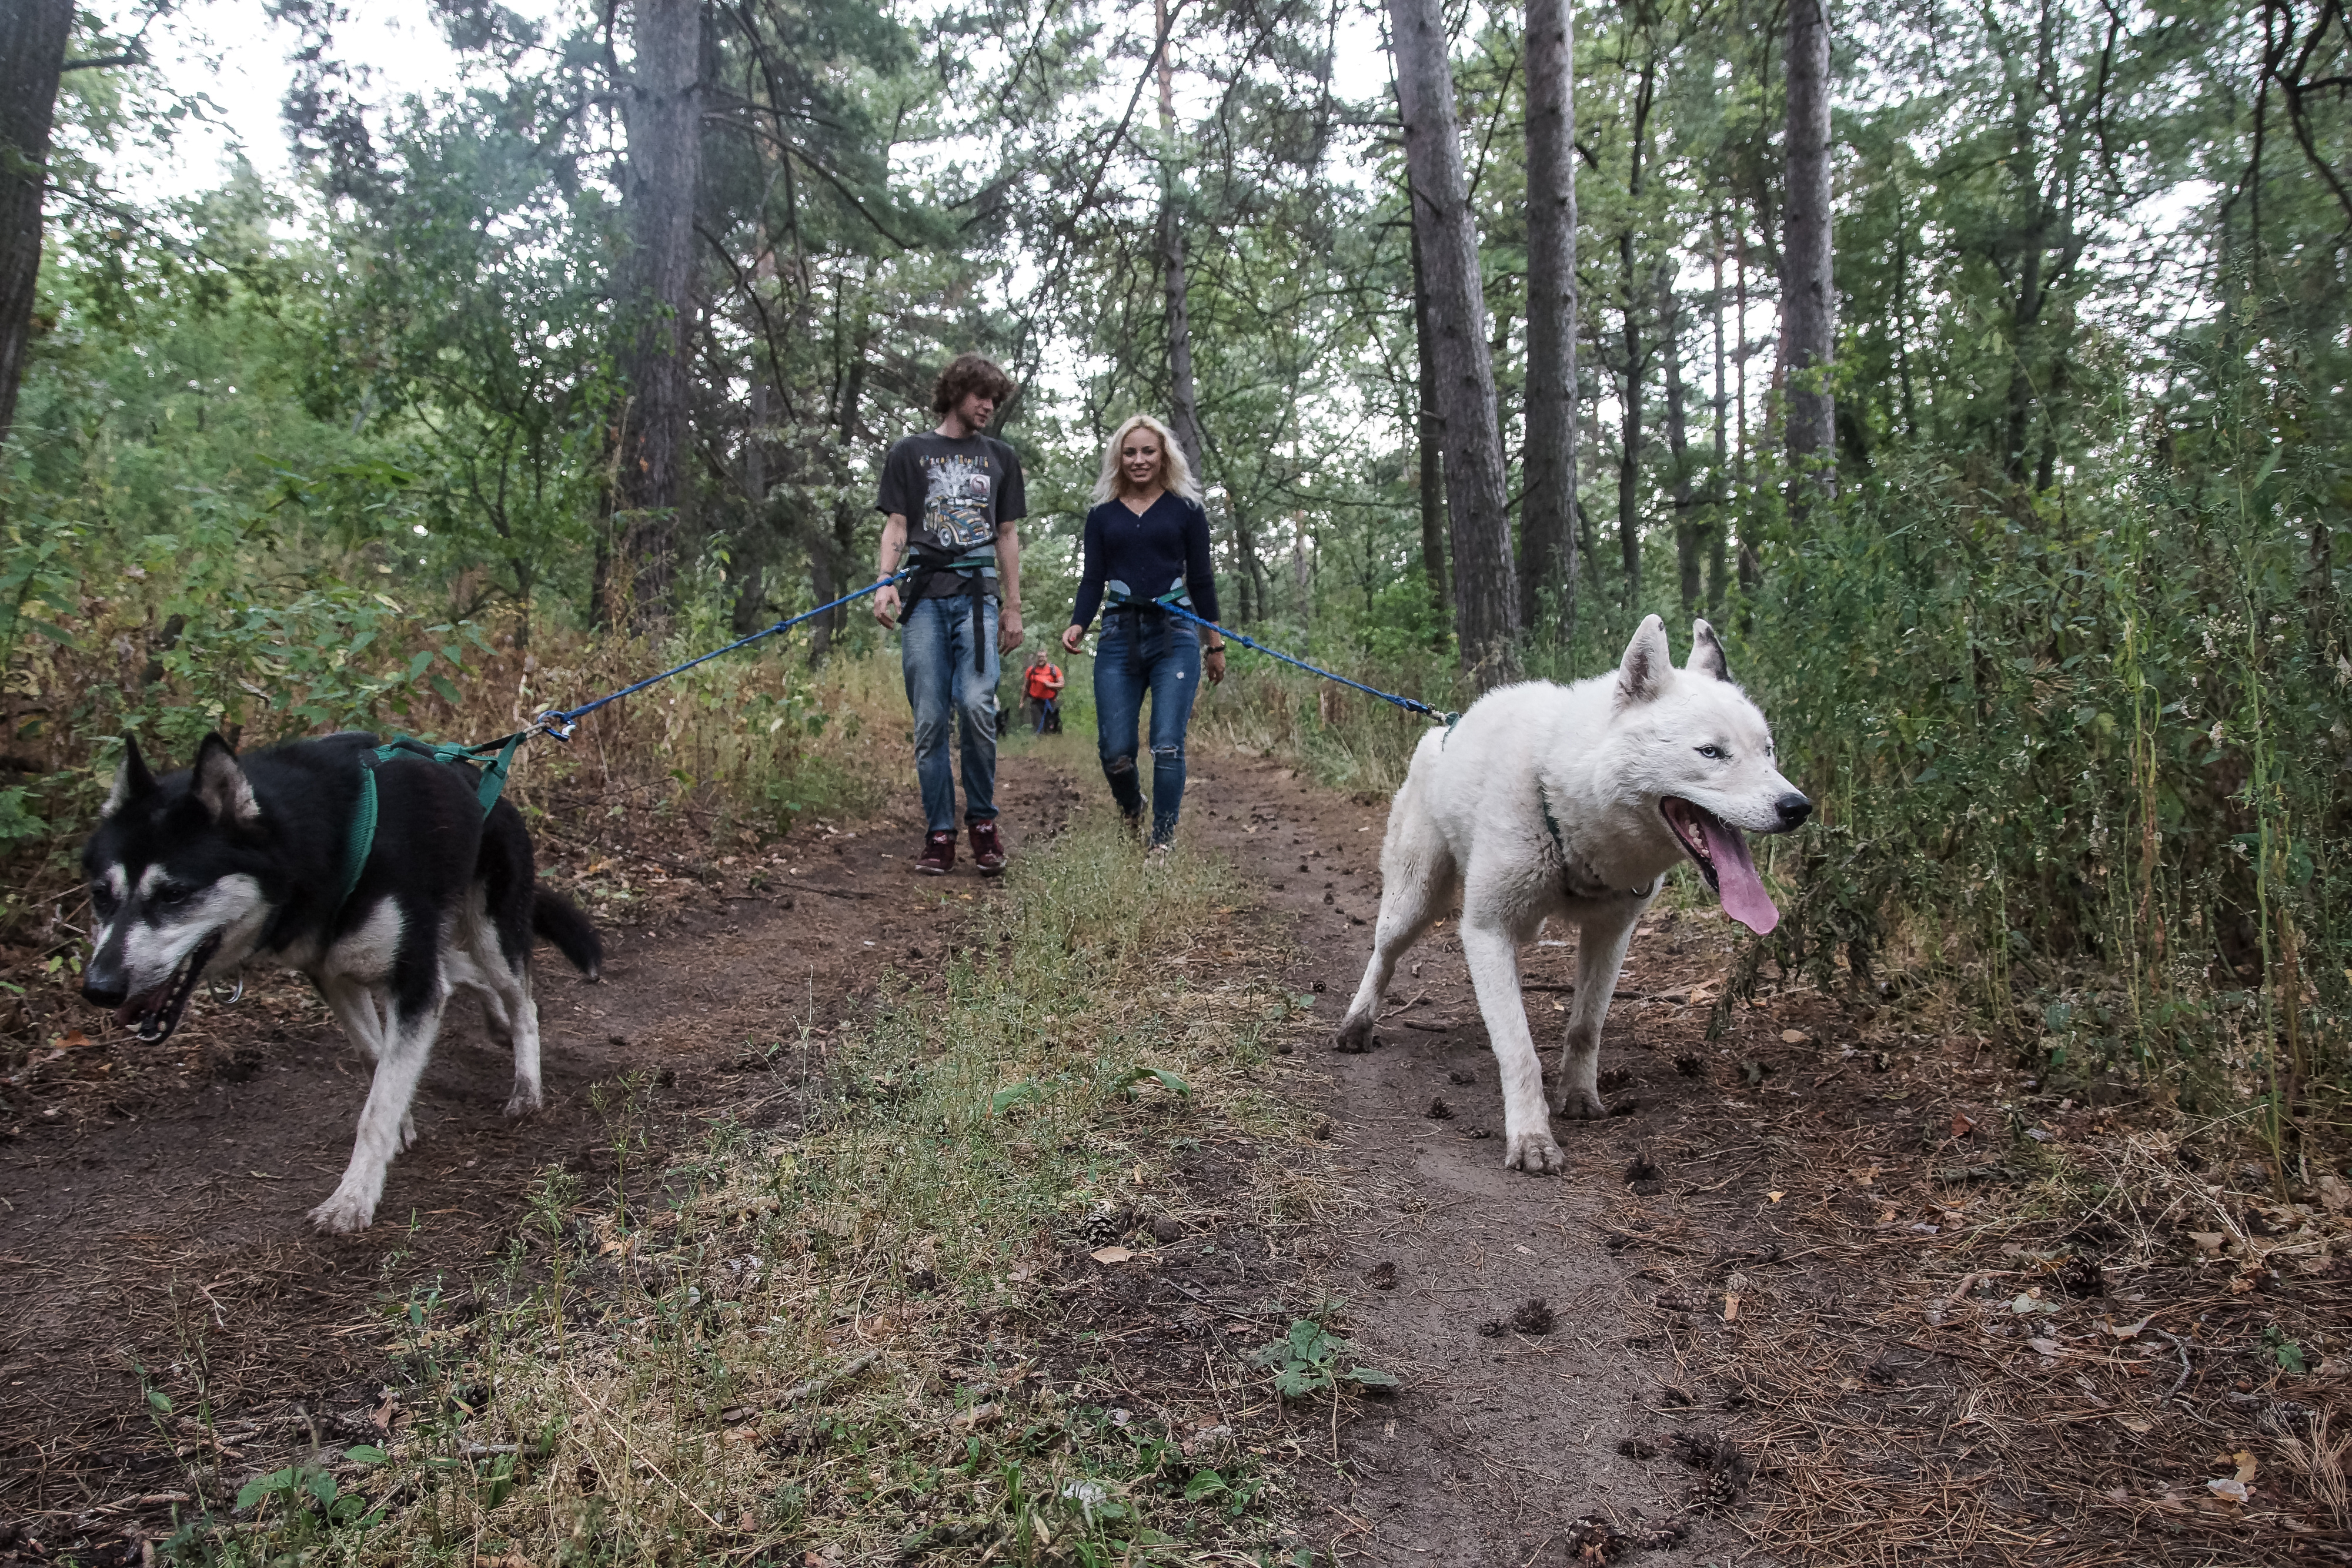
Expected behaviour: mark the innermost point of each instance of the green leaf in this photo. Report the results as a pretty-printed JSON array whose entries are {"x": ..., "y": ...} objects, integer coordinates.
[
  {"x": 1373, "y": 1378},
  {"x": 366, "y": 1454},
  {"x": 1205, "y": 1484},
  {"x": 1128, "y": 1080},
  {"x": 1003, "y": 1100},
  {"x": 447, "y": 688},
  {"x": 260, "y": 1487},
  {"x": 161, "y": 1400}
]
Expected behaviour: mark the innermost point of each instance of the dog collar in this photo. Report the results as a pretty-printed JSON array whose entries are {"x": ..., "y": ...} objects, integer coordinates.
[{"x": 1568, "y": 861}]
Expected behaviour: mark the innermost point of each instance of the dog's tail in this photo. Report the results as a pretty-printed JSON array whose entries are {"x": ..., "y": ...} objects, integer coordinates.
[{"x": 561, "y": 921}]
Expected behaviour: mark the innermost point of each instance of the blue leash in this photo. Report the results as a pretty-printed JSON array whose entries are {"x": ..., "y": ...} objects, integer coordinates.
[
  {"x": 1409, "y": 704},
  {"x": 559, "y": 722}
]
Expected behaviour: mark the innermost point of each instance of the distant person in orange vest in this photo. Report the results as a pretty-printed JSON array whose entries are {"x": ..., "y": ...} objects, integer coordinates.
[{"x": 1045, "y": 682}]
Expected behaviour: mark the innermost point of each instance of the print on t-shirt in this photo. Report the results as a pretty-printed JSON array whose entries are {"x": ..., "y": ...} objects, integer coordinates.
[{"x": 955, "y": 502}]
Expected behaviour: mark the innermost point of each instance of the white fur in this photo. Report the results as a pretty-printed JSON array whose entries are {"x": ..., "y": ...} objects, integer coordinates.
[{"x": 1470, "y": 822}]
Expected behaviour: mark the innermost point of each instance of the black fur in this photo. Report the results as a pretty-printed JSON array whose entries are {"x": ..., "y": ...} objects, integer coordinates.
[{"x": 282, "y": 818}]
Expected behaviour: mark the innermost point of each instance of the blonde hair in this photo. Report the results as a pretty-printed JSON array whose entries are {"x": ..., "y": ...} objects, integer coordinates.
[{"x": 1175, "y": 473}]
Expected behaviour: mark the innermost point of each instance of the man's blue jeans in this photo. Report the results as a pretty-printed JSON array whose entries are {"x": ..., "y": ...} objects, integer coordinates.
[
  {"x": 943, "y": 688},
  {"x": 1139, "y": 652}
]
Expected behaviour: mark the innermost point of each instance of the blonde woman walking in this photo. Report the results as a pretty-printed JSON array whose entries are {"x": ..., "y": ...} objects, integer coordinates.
[{"x": 1147, "y": 546}]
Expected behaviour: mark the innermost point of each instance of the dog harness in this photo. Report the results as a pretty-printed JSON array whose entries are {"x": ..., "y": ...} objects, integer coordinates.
[
  {"x": 362, "y": 838},
  {"x": 1568, "y": 861}
]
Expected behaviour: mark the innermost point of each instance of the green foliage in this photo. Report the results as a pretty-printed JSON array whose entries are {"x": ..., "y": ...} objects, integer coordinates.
[{"x": 1306, "y": 1360}]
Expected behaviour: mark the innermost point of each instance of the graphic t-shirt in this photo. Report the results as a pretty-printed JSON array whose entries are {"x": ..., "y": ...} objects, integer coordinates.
[{"x": 954, "y": 493}]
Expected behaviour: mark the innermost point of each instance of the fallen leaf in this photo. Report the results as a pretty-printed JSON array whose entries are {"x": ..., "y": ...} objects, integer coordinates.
[
  {"x": 1520, "y": 1247},
  {"x": 1863, "y": 1177},
  {"x": 2231, "y": 1490},
  {"x": 1017, "y": 1273},
  {"x": 1776, "y": 1197},
  {"x": 2246, "y": 1462},
  {"x": 1110, "y": 1254},
  {"x": 2240, "y": 1285},
  {"x": 2209, "y": 1240},
  {"x": 73, "y": 1040},
  {"x": 385, "y": 1414},
  {"x": 978, "y": 1416},
  {"x": 2046, "y": 1346},
  {"x": 1731, "y": 1309},
  {"x": 744, "y": 1434},
  {"x": 1794, "y": 1036},
  {"x": 2334, "y": 1192},
  {"x": 1961, "y": 1125},
  {"x": 2130, "y": 1330},
  {"x": 2135, "y": 1424}
]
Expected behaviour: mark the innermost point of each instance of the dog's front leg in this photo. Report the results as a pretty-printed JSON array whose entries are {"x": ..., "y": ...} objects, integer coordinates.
[
  {"x": 1493, "y": 956},
  {"x": 384, "y": 1123},
  {"x": 1600, "y": 945}
]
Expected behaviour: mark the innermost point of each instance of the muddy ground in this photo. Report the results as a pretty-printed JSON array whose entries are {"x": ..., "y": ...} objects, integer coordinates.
[{"x": 1729, "y": 1278}]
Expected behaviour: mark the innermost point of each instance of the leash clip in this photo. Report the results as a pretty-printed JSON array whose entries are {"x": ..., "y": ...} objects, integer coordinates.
[{"x": 555, "y": 726}]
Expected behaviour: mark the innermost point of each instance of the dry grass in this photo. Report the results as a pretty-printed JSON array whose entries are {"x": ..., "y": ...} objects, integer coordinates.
[{"x": 886, "y": 1333}]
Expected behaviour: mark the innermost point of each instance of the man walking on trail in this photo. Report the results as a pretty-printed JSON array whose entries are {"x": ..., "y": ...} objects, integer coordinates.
[
  {"x": 1045, "y": 689},
  {"x": 954, "y": 497}
]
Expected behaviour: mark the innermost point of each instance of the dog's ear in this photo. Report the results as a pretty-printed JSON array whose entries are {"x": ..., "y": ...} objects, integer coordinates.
[
  {"x": 1707, "y": 653},
  {"x": 1648, "y": 662},
  {"x": 222, "y": 786},
  {"x": 131, "y": 780}
]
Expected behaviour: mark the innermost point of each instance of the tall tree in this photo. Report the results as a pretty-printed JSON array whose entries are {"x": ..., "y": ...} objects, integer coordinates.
[
  {"x": 1183, "y": 405},
  {"x": 1547, "y": 523},
  {"x": 1807, "y": 302},
  {"x": 33, "y": 35},
  {"x": 1485, "y": 586},
  {"x": 662, "y": 106},
  {"x": 1428, "y": 429}
]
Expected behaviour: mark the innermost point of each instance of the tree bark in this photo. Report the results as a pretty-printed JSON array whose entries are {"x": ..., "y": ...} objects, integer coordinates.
[
  {"x": 33, "y": 35},
  {"x": 1807, "y": 300},
  {"x": 1546, "y": 528},
  {"x": 1690, "y": 543},
  {"x": 1718, "y": 491},
  {"x": 1183, "y": 409},
  {"x": 662, "y": 108},
  {"x": 1629, "y": 456},
  {"x": 1485, "y": 586},
  {"x": 1428, "y": 428}
]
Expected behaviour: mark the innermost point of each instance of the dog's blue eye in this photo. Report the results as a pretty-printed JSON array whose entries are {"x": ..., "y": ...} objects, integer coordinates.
[{"x": 1710, "y": 751}]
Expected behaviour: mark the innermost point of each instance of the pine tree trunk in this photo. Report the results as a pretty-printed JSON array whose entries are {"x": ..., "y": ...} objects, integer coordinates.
[
  {"x": 1184, "y": 412},
  {"x": 663, "y": 111},
  {"x": 1718, "y": 486},
  {"x": 1429, "y": 429},
  {"x": 1546, "y": 528},
  {"x": 1807, "y": 301},
  {"x": 33, "y": 35},
  {"x": 1486, "y": 585},
  {"x": 1689, "y": 542}
]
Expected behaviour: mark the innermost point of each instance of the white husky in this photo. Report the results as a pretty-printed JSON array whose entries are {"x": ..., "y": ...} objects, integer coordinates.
[{"x": 1573, "y": 802}]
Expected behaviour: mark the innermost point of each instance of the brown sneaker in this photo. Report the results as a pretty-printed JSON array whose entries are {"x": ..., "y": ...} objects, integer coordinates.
[
  {"x": 938, "y": 858},
  {"x": 987, "y": 849}
]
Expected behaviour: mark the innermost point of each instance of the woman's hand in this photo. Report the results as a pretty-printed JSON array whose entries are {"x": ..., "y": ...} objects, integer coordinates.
[
  {"x": 1216, "y": 658},
  {"x": 1071, "y": 637}
]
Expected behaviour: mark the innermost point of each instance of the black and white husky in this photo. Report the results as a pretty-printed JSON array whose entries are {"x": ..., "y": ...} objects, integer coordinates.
[{"x": 238, "y": 860}]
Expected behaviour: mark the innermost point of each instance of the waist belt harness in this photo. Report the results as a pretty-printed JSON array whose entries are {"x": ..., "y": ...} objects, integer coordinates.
[{"x": 978, "y": 570}]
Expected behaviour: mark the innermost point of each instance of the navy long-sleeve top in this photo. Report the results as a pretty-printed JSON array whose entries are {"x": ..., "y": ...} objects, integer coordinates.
[{"x": 1165, "y": 547}]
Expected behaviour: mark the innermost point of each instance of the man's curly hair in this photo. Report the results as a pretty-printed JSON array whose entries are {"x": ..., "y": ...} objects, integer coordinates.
[{"x": 966, "y": 374}]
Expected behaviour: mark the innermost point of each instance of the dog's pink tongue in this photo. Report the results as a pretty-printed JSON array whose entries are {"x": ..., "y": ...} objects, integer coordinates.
[{"x": 1744, "y": 898}]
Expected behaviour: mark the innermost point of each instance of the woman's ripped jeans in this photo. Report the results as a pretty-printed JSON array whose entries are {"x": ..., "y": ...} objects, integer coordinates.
[{"x": 1146, "y": 651}]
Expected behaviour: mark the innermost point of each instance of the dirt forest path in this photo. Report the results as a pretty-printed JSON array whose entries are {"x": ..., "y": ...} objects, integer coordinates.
[
  {"x": 1507, "y": 1445},
  {"x": 157, "y": 1218}
]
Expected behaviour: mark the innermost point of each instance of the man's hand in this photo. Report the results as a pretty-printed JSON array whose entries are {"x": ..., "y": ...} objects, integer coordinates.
[
  {"x": 1008, "y": 629},
  {"x": 1216, "y": 658},
  {"x": 886, "y": 605},
  {"x": 1071, "y": 637}
]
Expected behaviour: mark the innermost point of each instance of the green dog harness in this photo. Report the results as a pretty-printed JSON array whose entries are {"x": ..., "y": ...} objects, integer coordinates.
[{"x": 361, "y": 840}]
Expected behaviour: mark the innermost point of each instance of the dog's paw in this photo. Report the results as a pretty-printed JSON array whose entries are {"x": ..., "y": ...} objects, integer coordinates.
[
  {"x": 343, "y": 1213},
  {"x": 1533, "y": 1152},
  {"x": 1355, "y": 1036},
  {"x": 525, "y": 1102},
  {"x": 1583, "y": 1105}
]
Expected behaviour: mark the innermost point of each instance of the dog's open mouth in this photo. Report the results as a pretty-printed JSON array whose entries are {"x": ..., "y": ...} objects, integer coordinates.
[
  {"x": 156, "y": 1013},
  {"x": 1721, "y": 853}
]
